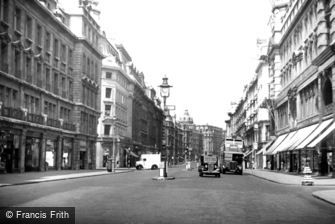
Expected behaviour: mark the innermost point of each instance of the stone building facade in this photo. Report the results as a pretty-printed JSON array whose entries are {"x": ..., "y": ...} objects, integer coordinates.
[
  {"x": 49, "y": 77},
  {"x": 304, "y": 105}
]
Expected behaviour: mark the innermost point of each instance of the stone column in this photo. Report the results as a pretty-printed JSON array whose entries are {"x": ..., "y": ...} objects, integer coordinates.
[
  {"x": 87, "y": 155},
  {"x": 22, "y": 152},
  {"x": 59, "y": 144},
  {"x": 93, "y": 155},
  {"x": 75, "y": 154},
  {"x": 322, "y": 31},
  {"x": 42, "y": 153}
]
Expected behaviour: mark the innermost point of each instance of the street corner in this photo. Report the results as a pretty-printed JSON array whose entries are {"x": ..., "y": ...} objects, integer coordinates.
[{"x": 325, "y": 195}]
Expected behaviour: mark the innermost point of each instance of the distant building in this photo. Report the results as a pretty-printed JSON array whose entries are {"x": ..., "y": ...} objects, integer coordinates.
[
  {"x": 212, "y": 138},
  {"x": 192, "y": 138}
]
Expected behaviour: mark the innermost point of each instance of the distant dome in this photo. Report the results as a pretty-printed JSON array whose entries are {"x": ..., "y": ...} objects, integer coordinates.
[{"x": 187, "y": 118}]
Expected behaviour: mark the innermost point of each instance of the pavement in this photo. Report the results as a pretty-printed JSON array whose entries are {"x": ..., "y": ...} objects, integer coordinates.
[
  {"x": 294, "y": 179},
  {"x": 11, "y": 179}
]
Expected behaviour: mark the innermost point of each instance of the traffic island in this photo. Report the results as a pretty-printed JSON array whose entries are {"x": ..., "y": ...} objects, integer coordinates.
[
  {"x": 163, "y": 178},
  {"x": 163, "y": 173}
]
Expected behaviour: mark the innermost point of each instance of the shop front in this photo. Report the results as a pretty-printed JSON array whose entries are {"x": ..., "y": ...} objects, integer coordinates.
[
  {"x": 67, "y": 154},
  {"x": 9, "y": 152}
]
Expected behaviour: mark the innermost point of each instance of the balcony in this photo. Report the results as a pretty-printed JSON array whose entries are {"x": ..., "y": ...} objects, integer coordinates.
[
  {"x": 69, "y": 126},
  {"x": 12, "y": 113},
  {"x": 53, "y": 122},
  {"x": 35, "y": 118}
]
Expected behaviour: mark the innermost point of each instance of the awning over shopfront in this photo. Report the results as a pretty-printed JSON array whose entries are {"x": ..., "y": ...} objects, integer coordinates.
[
  {"x": 302, "y": 134},
  {"x": 265, "y": 147},
  {"x": 322, "y": 136},
  {"x": 286, "y": 143},
  {"x": 277, "y": 142},
  {"x": 314, "y": 134}
]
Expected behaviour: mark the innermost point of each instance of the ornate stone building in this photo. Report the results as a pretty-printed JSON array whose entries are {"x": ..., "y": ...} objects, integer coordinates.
[
  {"x": 49, "y": 75},
  {"x": 302, "y": 61}
]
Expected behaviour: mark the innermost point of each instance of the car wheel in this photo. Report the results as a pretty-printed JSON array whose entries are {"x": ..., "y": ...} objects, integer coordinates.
[
  {"x": 218, "y": 175},
  {"x": 201, "y": 174},
  {"x": 139, "y": 167},
  {"x": 154, "y": 167}
]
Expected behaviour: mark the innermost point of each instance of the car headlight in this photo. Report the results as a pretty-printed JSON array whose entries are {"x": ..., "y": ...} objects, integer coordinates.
[
  {"x": 206, "y": 166},
  {"x": 215, "y": 166}
]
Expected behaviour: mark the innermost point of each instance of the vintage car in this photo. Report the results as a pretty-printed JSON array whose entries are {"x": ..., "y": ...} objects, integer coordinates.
[
  {"x": 234, "y": 165},
  {"x": 209, "y": 166}
]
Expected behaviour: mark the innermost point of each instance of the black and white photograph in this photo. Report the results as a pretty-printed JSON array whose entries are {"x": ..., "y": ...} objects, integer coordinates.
[{"x": 167, "y": 111}]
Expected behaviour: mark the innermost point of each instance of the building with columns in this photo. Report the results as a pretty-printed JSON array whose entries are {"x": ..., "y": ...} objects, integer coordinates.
[
  {"x": 302, "y": 58},
  {"x": 300, "y": 103},
  {"x": 49, "y": 75}
]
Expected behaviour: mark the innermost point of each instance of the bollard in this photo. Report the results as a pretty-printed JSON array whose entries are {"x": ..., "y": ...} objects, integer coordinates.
[{"x": 308, "y": 180}]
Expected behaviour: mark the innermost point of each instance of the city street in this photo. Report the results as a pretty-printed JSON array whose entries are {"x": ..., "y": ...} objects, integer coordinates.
[{"x": 135, "y": 198}]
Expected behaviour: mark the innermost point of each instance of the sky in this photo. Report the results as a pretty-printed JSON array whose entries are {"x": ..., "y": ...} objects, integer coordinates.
[{"x": 206, "y": 48}]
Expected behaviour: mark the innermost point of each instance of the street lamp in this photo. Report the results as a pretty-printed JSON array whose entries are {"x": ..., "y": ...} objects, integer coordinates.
[
  {"x": 114, "y": 119},
  {"x": 165, "y": 93}
]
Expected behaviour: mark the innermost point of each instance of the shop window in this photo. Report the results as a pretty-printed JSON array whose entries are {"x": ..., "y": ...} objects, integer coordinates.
[{"x": 327, "y": 92}]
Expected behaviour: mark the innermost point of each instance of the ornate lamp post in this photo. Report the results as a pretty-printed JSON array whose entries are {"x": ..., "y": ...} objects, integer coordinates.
[{"x": 165, "y": 93}]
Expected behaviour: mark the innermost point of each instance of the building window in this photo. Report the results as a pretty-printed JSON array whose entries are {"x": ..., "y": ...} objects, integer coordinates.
[
  {"x": 107, "y": 128},
  {"x": 28, "y": 69},
  {"x": 39, "y": 74},
  {"x": 108, "y": 75},
  {"x": 4, "y": 10},
  {"x": 108, "y": 92},
  {"x": 63, "y": 53},
  {"x": 29, "y": 27},
  {"x": 56, "y": 53},
  {"x": 4, "y": 57},
  {"x": 108, "y": 110},
  {"x": 55, "y": 83},
  {"x": 47, "y": 41},
  {"x": 39, "y": 35},
  {"x": 17, "y": 19},
  {"x": 47, "y": 79},
  {"x": 70, "y": 58},
  {"x": 327, "y": 92}
]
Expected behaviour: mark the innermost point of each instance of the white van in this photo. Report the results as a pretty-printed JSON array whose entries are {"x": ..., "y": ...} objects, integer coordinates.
[{"x": 149, "y": 161}]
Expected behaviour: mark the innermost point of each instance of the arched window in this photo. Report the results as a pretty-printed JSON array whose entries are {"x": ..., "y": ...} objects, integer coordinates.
[{"x": 327, "y": 92}]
